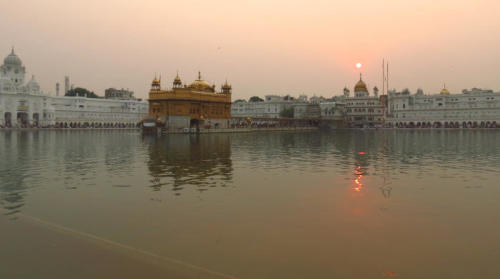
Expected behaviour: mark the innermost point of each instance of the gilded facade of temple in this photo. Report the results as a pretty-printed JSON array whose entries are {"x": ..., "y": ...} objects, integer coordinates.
[{"x": 195, "y": 105}]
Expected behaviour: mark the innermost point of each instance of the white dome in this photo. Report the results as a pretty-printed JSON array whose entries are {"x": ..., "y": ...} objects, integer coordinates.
[
  {"x": 33, "y": 85},
  {"x": 12, "y": 59}
]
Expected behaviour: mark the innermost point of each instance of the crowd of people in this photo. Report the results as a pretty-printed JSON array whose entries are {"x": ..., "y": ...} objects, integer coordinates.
[
  {"x": 73, "y": 125},
  {"x": 271, "y": 123}
]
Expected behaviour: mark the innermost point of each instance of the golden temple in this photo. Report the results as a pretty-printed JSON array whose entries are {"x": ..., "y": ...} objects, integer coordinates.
[{"x": 190, "y": 106}]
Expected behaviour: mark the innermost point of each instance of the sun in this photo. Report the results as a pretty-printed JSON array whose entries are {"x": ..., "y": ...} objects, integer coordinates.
[{"x": 358, "y": 65}]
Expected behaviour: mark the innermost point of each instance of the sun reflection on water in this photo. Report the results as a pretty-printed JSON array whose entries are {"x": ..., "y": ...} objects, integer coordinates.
[{"x": 358, "y": 185}]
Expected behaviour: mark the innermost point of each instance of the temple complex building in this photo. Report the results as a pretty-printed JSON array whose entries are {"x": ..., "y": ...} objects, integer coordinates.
[
  {"x": 194, "y": 105},
  {"x": 475, "y": 108},
  {"x": 24, "y": 104},
  {"x": 363, "y": 110}
]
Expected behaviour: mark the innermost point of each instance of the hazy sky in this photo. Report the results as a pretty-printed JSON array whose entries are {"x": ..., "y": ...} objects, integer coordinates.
[{"x": 260, "y": 46}]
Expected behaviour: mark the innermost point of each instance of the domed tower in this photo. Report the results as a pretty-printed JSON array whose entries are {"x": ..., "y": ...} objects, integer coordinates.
[
  {"x": 33, "y": 86},
  {"x": 226, "y": 88},
  {"x": 360, "y": 89},
  {"x": 155, "y": 85},
  {"x": 177, "y": 81},
  {"x": 201, "y": 85},
  {"x": 347, "y": 92},
  {"x": 13, "y": 69},
  {"x": 444, "y": 91},
  {"x": 375, "y": 91}
]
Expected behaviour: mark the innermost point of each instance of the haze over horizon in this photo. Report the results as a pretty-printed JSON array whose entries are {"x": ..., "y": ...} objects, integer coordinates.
[{"x": 261, "y": 47}]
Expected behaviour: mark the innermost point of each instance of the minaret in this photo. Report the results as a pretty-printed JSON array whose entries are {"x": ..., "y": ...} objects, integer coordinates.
[
  {"x": 346, "y": 92},
  {"x": 155, "y": 85},
  {"x": 57, "y": 89},
  {"x": 66, "y": 85},
  {"x": 177, "y": 81},
  {"x": 226, "y": 88}
]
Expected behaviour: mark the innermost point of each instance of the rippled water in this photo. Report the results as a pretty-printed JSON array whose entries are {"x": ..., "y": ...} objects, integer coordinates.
[{"x": 342, "y": 204}]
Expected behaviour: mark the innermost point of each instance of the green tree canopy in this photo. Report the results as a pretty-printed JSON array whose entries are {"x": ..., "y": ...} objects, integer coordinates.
[
  {"x": 287, "y": 113},
  {"x": 255, "y": 99},
  {"x": 81, "y": 92}
]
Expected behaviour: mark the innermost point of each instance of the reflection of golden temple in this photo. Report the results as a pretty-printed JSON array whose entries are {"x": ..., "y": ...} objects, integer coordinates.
[
  {"x": 191, "y": 105},
  {"x": 180, "y": 161}
]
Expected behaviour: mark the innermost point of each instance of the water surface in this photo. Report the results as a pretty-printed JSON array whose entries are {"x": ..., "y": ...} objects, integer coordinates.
[{"x": 342, "y": 204}]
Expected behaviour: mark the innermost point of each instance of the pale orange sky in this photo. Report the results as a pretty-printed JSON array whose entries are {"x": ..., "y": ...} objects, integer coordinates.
[{"x": 261, "y": 47}]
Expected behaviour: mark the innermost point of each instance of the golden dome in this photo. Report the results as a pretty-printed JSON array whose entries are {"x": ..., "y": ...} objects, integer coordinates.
[
  {"x": 444, "y": 91},
  {"x": 226, "y": 85},
  {"x": 155, "y": 81},
  {"x": 360, "y": 86},
  {"x": 177, "y": 81},
  {"x": 200, "y": 84}
]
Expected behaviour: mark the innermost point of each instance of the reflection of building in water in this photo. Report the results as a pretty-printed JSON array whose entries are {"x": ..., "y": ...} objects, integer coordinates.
[
  {"x": 13, "y": 171},
  {"x": 180, "y": 160}
]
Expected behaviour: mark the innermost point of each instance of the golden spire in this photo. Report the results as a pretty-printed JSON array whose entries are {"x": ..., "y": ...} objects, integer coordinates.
[{"x": 444, "y": 91}]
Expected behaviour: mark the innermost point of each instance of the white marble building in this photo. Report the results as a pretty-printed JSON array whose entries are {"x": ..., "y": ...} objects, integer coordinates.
[
  {"x": 332, "y": 109},
  {"x": 20, "y": 103},
  {"x": 88, "y": 111},
  {"x": 471, "y": 108},
  {"x": 362, "y": 109},
  {"x": 25, "y": 104},
  {"x": 269, "y": 108}
]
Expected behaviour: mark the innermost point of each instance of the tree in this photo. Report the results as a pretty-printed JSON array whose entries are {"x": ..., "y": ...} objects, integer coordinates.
[
  {"x": 287, "y": 113},
  {"x": 81, "y": 92},
  {"x": 255, "y": 99}
]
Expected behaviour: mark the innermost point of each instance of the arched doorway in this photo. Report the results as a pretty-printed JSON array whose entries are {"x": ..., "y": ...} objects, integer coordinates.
[
  {"x": 22, "y": 118},
  {"x": 36, "y": 119},
  {"x": 8, "y": 119},
  {"x": 195, "y": 123}
]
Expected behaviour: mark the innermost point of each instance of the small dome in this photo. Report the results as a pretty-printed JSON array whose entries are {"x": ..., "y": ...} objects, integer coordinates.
[
  {"x": 12, "y": 59},
  {"x": 33, "y": 84},
  {"x": 444, "y": 91},
  {"x": 226, "y": 85},
  {"x": 155, "y": 81},
  {"x": 177, "y": 81}
]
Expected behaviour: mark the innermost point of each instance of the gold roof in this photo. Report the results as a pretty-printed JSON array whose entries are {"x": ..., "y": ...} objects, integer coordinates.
[
  {"x": 360, "y": 86},
  {"x": 155, "y": 81},
  {"x": 444, "y": 91},
  {"x": 200, "y": 84},
  {"x": 226, "y": 85}
]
